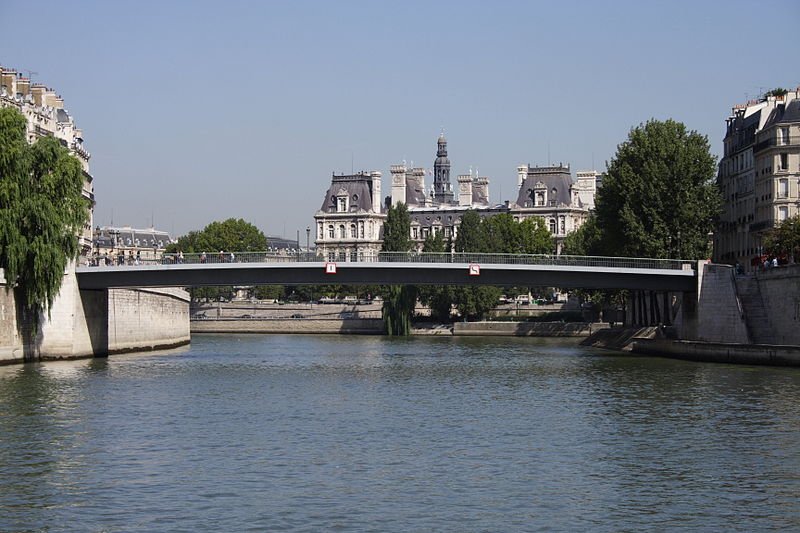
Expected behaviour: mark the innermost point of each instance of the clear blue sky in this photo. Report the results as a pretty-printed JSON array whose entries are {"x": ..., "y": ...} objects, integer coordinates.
[{"x": 200, "y": 111}]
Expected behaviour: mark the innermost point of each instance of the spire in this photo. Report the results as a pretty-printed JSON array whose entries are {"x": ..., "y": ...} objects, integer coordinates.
[{"x": 443, "y": 193}]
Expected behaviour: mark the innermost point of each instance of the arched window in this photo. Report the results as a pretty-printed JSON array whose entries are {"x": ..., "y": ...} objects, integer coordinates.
[
  {"x": 353, "y": 232},
  {"x": 342, "y": 234},
  {"x": 553, "y": 226},
  {"x": 330, "y": 231}
]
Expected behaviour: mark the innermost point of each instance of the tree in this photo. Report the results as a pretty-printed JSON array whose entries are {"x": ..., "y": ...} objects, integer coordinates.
[
  {"x": 584, "y": 240},
  {"x": 439, "y": 298},
  {"x": 480, "y": 237},
  {"x": 784, "y": 239},
  {"x": 658, "y": 197},
  {"x": 535, "y": 238},
  {"x": 471, "y": 237},
  {"x": 398, "y": 300},
  {"x": 231, "y": 235},
  {"x": 397, "y": 229},
  {"x": 42, "y": 210}
]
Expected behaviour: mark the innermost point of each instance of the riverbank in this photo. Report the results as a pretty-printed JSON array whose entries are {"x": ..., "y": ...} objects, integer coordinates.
[
  {"x": 374, "y": 326},
  {"x": 653, "y": 341}
]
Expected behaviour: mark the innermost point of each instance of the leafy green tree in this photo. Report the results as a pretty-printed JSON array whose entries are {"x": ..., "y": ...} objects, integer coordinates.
[
  {"x": 477, "y": 236},
  {"x": 42, "y": 210},
  {"x": 658, "y": 197},
  {"x": 399, "y": 301},
  {"x": 397, "y": 229},
  {"x": 471, "y": 236},
  {"x": 231, "y": 235},
  {"x": 535, "y": 238},
  {"x": 438, "y": 297},
  {"x": 584, "y": 240},
  {"x": 784, "y": 239}
]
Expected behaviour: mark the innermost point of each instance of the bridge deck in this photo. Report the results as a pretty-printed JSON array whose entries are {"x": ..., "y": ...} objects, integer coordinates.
[{"x": 563, "y": 273}]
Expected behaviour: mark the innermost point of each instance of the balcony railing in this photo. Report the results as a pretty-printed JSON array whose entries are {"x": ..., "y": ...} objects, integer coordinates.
[{"x": 771, "y": 142}]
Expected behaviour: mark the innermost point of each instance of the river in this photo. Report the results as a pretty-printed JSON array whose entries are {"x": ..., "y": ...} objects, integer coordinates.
[{"x": 350, "y": 433}]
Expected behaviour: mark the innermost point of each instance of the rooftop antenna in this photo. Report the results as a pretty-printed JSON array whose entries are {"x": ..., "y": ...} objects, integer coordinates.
[{"x": 30, "y": 74}]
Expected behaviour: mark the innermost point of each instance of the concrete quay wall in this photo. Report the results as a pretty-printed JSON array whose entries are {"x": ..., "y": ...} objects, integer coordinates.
[
  {"x": 525, "y": 329},
  {"x": 94, "y": 323},
  {"x": 780, "y": 294},
  {"x": 719, "y": 352},
  {"x": 373, "y": 326},
  {"x": 713, "y": 313},
  {"x": 147, "y": 319}
]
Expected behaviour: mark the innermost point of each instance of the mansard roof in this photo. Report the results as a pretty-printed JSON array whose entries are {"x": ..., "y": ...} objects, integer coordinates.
[
  {"x": 784, "y": 114},
  {"x": 357, "y": 187},
  {"x": 558, "y": 178}
]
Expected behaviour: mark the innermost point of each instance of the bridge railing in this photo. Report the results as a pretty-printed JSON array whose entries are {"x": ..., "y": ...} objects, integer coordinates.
[{"x": 406, "y": 257}]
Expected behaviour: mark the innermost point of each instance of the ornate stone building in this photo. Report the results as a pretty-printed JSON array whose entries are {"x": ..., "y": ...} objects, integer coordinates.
[
  {"x": 759, "y": 175},
  {"x": 550, "y": 193},
  {"x": 45, "y": 113},
  {"x": 350, "y": 220}
]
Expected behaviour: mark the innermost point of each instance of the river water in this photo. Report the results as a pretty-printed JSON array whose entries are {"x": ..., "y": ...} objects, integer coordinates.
[{"x": 341, "y": 433}]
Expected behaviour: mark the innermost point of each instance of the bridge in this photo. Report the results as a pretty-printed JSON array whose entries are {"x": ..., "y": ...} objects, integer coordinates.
[{"x": 393, "y": 268}]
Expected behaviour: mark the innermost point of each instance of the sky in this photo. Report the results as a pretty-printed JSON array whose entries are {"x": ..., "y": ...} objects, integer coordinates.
[{"x": 201, "y": 111}]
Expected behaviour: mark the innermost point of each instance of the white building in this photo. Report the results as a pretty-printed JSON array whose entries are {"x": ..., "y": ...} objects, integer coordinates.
[
  {"x": 45, "y": 113},
  {"x": 759, "y": 175}
]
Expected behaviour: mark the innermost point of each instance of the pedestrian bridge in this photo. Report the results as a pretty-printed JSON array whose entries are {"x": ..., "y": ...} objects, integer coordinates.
[{"x": 391, "y": 268}]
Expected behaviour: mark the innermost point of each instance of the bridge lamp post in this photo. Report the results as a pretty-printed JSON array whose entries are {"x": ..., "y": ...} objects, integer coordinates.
[{"x": 308, "y": 239}]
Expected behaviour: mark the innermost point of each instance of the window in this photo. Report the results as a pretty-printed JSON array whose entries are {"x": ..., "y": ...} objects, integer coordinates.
[
  {"x": 361, "y": 229},
  {"x": 783, "y": 188},
  {"x": 342, "y": 234},
  {"x": 783, "y": 213},
  {"x": 353, "y": 233},
  {"x": 553, "y": 226},
  {"x": 783, "y": 136},
  {"x": 341, "y": 204},
  {"x": 539, "y": 197},
  {"x": 783, "y": 163},
  {"x": 414, "y": 233},
  {"x": 563, "y": 226},
  {"x": 330, "y": 231}
]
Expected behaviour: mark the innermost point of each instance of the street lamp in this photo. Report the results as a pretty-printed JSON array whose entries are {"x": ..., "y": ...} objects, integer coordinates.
[{"x": 308, "y": 239}]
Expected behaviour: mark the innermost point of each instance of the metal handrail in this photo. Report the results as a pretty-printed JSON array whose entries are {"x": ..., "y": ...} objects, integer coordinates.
[{"x": 413, "y": 257}]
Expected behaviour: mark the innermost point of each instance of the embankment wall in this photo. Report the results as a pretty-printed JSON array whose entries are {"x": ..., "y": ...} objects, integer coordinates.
[
  {"x": 713, "y": 313},
  {"x": 94, "y": 323},
  {"x": 372, "y": 326},
  {"x": 780, "y": 293}
]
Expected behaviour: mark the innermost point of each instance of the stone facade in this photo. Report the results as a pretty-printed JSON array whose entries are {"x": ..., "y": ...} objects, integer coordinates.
[
  {"x": 759, "y": 176},
  {"x": 547, "y": 192},
  {"x": 127, "y": 245},
  {"x": 551, "y": 194},
  {"x": 349, "y": 223},
  {"x": 44, "y": 110}
]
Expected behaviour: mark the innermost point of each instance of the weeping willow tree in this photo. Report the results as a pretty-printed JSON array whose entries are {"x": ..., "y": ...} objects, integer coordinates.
[
  {"x": 398, "y": 300},
  {"x": 42, "y": 210}
]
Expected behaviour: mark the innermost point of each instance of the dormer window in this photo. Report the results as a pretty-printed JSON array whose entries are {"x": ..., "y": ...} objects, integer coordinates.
[{"x": 341, "y": 204}]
